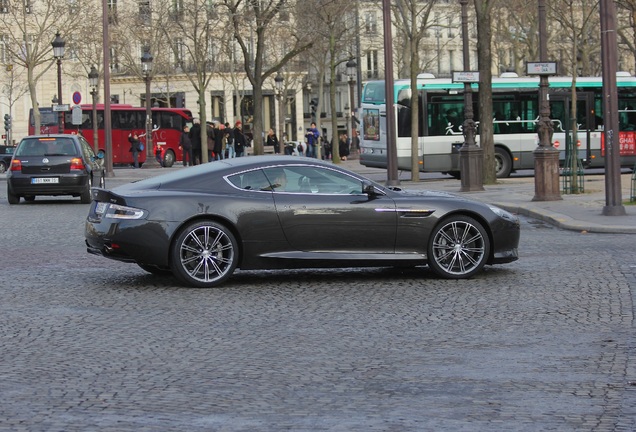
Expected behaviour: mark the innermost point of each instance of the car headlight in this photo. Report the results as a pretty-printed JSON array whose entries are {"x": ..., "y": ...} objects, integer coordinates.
[
  {"x": 115, "y": 211},
  {"x": 503, "y": 213}
]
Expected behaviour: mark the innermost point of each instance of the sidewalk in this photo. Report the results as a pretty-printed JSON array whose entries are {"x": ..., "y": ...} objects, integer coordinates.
[{"x": 582, "y": 212}]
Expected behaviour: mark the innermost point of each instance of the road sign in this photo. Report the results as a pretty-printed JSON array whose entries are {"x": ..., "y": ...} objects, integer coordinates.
[
  {"x": 541, "y": 68},
  {"x": 61, "y": 107},
  {"x": 77, "y": 98},
  {"x": 466, "y": 76}
]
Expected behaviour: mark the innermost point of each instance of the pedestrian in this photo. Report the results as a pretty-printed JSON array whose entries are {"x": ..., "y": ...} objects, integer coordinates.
[
  {"x": 326, "y": 148},
  {"x": 272, "y": 140},
  {"x": 312, "y": 136},
  {"x": 343, "y": 146},
  {"x": 158, "y": 153},
  {"x": 229, "y": 135},
  {"x": 218, "y": 141},
  {"x": 209, "y": 133},
  {"x": 186, "y": 145},
  {"x": 239, "y": 139},
  {"x": 135, "y": 148},
  {"x": 195, "y": 140}
]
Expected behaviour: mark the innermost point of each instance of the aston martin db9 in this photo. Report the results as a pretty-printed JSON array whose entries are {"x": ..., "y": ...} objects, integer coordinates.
[{"x": 281, "y": 212}]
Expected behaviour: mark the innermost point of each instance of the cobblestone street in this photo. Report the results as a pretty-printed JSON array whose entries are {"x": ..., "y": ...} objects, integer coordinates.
[{"x": 545, "y": 343}]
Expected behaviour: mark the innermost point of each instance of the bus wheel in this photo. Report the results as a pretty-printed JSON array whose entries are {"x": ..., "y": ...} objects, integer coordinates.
[
  {"x": 503, "y": 163},
  {"x": 168, "y": 159}
]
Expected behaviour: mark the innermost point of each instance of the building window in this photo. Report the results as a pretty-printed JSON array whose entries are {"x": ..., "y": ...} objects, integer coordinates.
[
  {"x": 112, "y": 12},
  {"x": 179, "y": 53},
  {"x": 176, "y": 12},
  {"x": 4, "y": 6},
  {"x": 114, "y": 60},
  {"x": 451, "y": 27},
  {"x": 371, "y": 23},
  {"x": 211, "y": 10},
  {"x": 372, "y": 64},
  {"x": 4, "y": 54},
  {"x": 144, "y": 12}
]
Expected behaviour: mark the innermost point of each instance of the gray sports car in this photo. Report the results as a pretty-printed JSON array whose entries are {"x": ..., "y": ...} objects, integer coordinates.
[{"x": 275, "y": 212}]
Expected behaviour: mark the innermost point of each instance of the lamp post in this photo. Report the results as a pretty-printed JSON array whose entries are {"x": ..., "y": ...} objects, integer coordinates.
[
  {"x": 546, "y": 157},
  {"x": 352, "y": 72},
  {"x": 471, "y": 156},
  {"x": 93, "y": 81},
  {"x": 58, "y": 53},
  {"x": 146, "y": 69},
  {"x": 279, "y": 80}
]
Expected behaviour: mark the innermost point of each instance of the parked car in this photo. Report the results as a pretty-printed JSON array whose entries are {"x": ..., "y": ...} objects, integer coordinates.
[
  {"x": 273, "y": 212},
  {"x": 54, "y": 165},
  {"x": 6, "y": 153}
]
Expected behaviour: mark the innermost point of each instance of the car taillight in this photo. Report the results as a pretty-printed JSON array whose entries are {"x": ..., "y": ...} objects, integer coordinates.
[
  {"x": 16, "y": 165},
  {"x": 77, "y": 164}
]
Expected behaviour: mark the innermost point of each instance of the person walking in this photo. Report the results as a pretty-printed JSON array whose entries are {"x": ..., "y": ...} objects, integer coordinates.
[
  {"x": 218, "y": 141},
  {"x": 343, "y": 147},
  {"x": 312, "y": 136},
  {"x": 272, "y": 140},
  {"x": 195, "y": 139},
  {"x": 186, "y": 145},
  {"x": 239, "y": 139},
  {"x": 135, "y": 148},
  {"x": 229, "y": 135}
]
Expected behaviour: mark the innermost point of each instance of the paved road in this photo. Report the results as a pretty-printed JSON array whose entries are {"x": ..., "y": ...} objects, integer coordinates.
[{"x": 546, "y": 343}]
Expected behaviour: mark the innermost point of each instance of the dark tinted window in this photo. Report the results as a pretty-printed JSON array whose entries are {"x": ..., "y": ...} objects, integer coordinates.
[{"x": 47, "y": 147}]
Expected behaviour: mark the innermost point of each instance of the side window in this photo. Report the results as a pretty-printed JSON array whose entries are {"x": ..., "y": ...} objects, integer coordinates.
[
  {"x": 250, "y": 180},
  {"x": 312, "y": 180}
]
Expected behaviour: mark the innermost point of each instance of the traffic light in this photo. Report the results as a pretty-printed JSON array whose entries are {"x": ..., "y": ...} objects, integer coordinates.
[
  {"x": 313, "y": 104},
  {"x": 7, "y": 122}
]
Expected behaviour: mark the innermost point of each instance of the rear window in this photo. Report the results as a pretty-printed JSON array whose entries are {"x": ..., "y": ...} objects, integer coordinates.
[{"x": 47, "y": 147}]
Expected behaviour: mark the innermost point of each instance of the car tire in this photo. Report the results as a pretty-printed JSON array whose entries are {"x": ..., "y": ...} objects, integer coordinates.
[
  {"x": 3, "y": 167},
  {"x": 168, "y": 159},
  {"x": 204, "y": 254},
  {"x": 156, "y": 270},
  {"x": 458, "y": 247},
  {"x": 12, "y": 198},
  {"x": 85, "y": 196},
  {"x": 503, "y": 163}
]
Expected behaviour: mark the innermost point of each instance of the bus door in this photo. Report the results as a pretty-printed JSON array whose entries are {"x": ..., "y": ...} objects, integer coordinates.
[{"x": 562, "y": 115}]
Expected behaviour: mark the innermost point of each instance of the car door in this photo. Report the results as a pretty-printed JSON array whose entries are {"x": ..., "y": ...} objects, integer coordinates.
[{"x": 324, "y": 210}]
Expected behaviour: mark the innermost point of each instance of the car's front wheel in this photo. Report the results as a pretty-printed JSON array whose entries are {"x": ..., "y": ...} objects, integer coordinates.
[
  {"x": 204, "y": 254},
  {"x": 458, "y": 247}
]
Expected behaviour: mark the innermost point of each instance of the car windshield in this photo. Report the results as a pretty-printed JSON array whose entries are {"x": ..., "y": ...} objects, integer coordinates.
[{"x": 47, "y": 147}]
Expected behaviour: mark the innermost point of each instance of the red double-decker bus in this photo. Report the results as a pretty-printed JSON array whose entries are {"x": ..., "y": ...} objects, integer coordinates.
[{"x": 167, "y": 126}]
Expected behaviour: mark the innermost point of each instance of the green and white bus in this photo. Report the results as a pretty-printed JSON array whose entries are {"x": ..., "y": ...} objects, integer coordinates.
[{"x": 515, "y": 111}]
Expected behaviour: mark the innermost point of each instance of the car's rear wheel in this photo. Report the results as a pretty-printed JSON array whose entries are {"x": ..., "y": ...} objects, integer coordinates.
[
  {"x": 11, "y": 197},
  {"x": 458, "y": 247},
  {"x": 204, "y": 254},
  {"x": 85, "y": 196}
]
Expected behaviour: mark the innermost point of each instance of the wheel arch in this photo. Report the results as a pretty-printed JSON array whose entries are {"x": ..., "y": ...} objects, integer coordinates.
[
  {"x": 479, "y": 218},
  {"x": 208, "y": 218}
]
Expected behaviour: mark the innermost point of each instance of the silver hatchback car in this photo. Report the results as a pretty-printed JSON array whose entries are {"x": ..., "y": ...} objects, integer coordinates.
[{"x": 54, "y": 165}]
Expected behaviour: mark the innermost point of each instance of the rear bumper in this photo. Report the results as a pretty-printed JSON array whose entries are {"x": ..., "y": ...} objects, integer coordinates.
[{"x": 68, "y": 184}]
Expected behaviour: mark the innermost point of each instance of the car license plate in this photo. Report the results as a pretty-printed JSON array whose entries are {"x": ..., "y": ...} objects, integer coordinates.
[
  {"x": 100, "y": 208},
  {"x": 40, "y": 180}
]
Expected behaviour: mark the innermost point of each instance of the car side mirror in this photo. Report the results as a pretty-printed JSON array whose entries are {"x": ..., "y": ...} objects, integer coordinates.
[{"x": 368, "y": 189}]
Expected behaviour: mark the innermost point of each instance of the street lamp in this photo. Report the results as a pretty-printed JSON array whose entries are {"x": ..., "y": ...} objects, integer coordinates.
[
  {"x": 546, "y": 157},
  {"x": 471, "y": 159},
  {"x": 352, "y": 72},
  {"x": 58, "y": 53},
  {"x": 146, "y": 69},
  {"x": 279, "y": 81},
  {"x": 93, "y": 81}
]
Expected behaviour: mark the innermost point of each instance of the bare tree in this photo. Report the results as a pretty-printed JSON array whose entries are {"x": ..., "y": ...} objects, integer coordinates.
[
  {"x": 412, "y": 20},
  {"x": 28, "y": 46},
  {"x": 253, "y": 22},
  {"x": 483, "y": 14}
]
